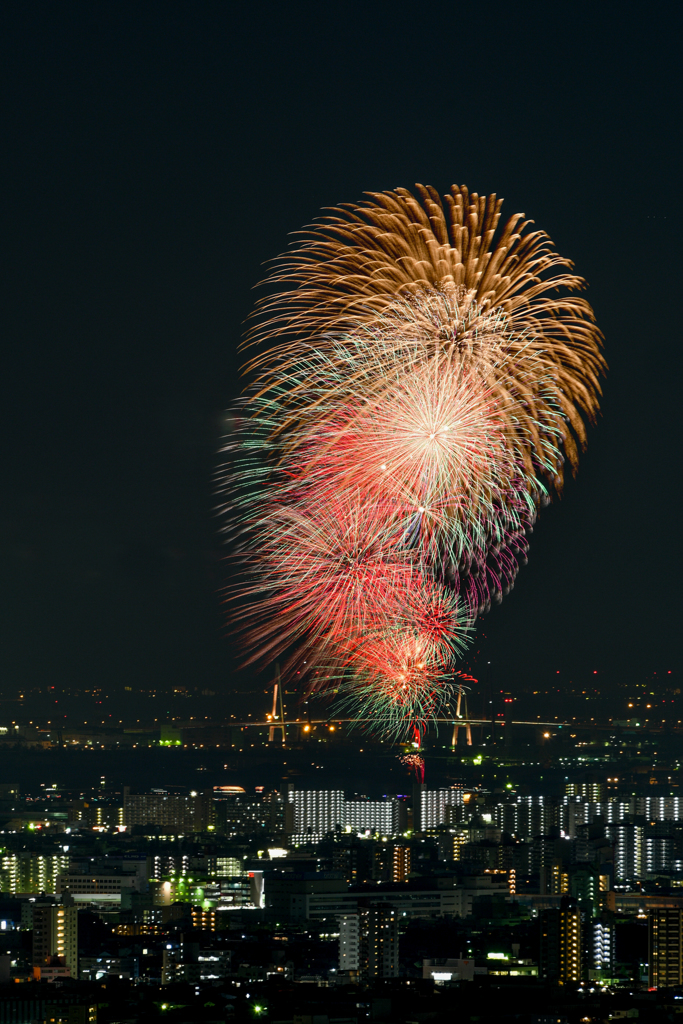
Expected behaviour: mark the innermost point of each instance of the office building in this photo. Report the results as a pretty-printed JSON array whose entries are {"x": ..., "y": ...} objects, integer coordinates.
[
  {"x": 665, "y": 940},
  {"x": 314, "y": 897}
]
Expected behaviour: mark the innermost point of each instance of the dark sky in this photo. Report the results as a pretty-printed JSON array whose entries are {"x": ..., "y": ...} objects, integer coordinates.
[{"x": 155, "y": 155}]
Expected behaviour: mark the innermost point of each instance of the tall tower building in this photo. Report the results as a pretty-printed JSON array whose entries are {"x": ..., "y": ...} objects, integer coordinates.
[
  {"x": 561, "y": 942},
  {"x": 666, "y": 948},
  {"x": 368, "y": 941},
  {"x": 55, "y": 933},
  {"x": 378, "y": 941},
  {"x": 628, "y": 856},
  {"x": 600, "y": 947}
]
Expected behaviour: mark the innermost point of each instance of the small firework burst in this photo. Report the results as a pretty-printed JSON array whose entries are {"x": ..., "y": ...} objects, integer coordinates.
[{"x": 415, "y": 763}]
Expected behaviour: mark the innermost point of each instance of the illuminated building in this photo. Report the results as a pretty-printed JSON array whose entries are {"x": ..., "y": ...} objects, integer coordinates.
[
  {"x": 189, "y": 963},
  {"x": 96, "y": 968},
  {"x": 170, "y": 864},
  {"x": 527, "y": 816},
  {"x": 662, "y": 808},
  {"x": 601, "y": 948},
  {"x": 614, "y": 810},
  {"x": 380, "y": 816},
  {"x": 313, "y": 813},
  {"x": 171, "y": 813},
  {"x": 435, "y": 805},
  {"x": 368, "y": 941},
  {"x": 559, "y": 879},
  {"x": 460, "y": 838},
  {"x": 561, "y": 942},
  {"x": 349, "y": 942},
  {"x": 444, "y": 970},
  {"x": 401, "y": 858},
  {"x": 31, "y": 872},
  {"x": 659, "y": 846},
  {"x": 665, "y": 934},
  {"x": 227, "y": 867},
  {"x": 55, "y": 934},
  {"x": 378, "y": 941},
  {"x": 204, "y": 918},
  {"x": 316, "y": 812},
  {"x": 628, "y": 853},
  {"x": 585, "y": 790},
  {"x": 238, "y": 813}
]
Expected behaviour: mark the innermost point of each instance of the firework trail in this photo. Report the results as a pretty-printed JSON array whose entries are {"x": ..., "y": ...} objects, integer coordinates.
[{"x": 424, "y": 376}]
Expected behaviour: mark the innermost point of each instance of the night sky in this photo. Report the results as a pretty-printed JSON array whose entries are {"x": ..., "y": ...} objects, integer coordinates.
[{"x": 156, "y": 155}]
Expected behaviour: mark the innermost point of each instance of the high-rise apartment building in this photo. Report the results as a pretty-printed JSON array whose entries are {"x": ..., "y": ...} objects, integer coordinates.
[
  {"x": 658, "y": 853},
  {"x": 237, "y": 813},
  {"x": 585, "y": 790},
  {"x": 390, "y": 862},
  {"x": 401, "y": 863},
  {"x": 561, "y": 942},
  {"x": 380, "y": 816},
  {"x": 665, "y": 934},
  {"x": 316, "y": 812},
  {"x": 660, "y": 808},
  {"x": 171, "y": 813},
  {"x": 434, "y": 805},
  {"x": 31, "y": 872},
  {"x": 629, "y": 849},
  {"x": 368, "y": 941},
  {"x": 378, "y": 940},
  {"x": 55, "y": 934},
  {"x": 313, "y": 813},
  {"x": 601, "y": 947},
  {"x": 349, "y": 942}
]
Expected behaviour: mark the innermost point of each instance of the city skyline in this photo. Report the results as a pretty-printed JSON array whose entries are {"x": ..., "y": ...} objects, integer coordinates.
[{"x": 185, "y": 840}]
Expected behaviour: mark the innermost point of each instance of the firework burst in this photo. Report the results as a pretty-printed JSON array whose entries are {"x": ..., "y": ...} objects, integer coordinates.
[{"x": 425, "y": 376}]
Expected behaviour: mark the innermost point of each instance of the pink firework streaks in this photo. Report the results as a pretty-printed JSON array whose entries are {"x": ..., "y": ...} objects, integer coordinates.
[{"x": 416, "y": 764}]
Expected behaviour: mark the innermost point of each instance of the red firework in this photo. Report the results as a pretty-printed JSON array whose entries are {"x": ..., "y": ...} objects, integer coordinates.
[{"x": 416, "y": 764}]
